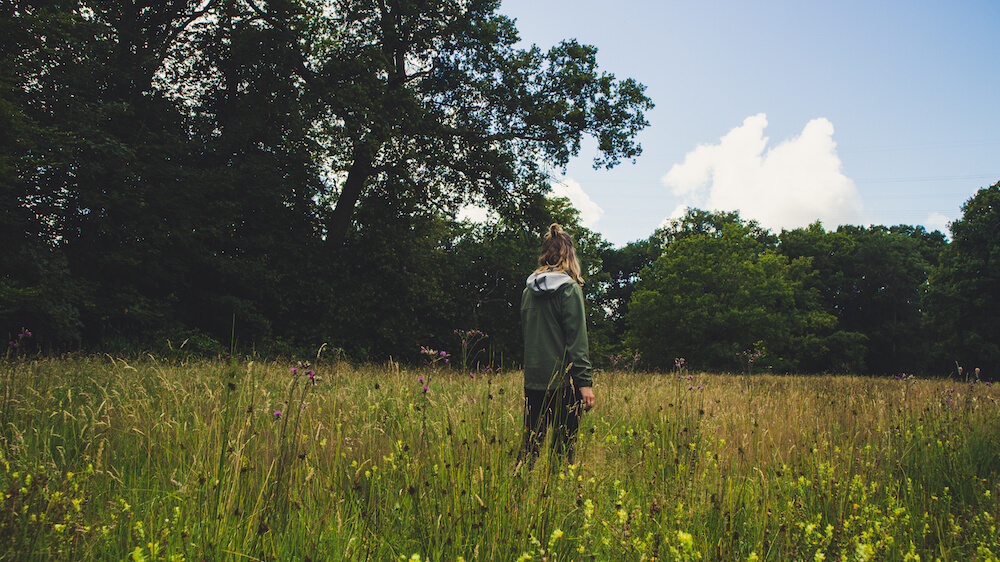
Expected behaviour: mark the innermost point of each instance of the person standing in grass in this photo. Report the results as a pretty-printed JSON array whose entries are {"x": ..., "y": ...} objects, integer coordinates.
[{"x": 557, "y": 381}]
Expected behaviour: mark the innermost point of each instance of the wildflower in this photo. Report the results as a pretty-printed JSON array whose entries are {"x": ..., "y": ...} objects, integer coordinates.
[
  {"x": 686, "y": 540},
  {"x": 426, "y": 389},
  {"x": 556, "y": 535},
  {"x": 277, "y": 414}
]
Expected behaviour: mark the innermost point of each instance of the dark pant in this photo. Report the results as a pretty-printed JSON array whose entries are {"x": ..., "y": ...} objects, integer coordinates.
[{"x": 559, "y": 409}]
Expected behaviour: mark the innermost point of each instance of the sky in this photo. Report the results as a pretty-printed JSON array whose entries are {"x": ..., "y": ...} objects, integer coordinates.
[{"x": 849, "y": 112}]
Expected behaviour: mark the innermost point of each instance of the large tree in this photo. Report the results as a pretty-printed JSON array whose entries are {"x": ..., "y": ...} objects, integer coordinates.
[
  {"x": 965, "y": 289},
  {"x": 719, "y": 296},
  {"x": 90, "y": 157},
  {"x": 873, "y": 279},
  {"x": 431, "y": 97}
]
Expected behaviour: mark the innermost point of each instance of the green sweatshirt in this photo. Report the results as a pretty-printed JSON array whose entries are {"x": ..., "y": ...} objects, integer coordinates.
[{"x": 555, "y": 332}]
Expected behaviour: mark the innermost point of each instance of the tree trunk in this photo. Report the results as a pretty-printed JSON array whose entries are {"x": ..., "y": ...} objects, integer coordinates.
[{"x": 357, "y": 176}]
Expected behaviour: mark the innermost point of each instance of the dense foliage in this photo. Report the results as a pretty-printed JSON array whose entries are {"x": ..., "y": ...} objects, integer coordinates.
[{"x": 196, "y": 176}]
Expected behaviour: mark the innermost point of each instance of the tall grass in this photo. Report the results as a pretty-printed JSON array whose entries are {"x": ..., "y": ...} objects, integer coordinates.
[{"x": 148, "y": 460}]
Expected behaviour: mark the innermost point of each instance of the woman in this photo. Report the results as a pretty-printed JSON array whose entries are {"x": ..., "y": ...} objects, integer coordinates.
[{"x": 557, "y": 380}]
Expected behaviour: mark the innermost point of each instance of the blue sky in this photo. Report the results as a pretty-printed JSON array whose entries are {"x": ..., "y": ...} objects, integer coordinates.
[{"x": 871, "y": 112}]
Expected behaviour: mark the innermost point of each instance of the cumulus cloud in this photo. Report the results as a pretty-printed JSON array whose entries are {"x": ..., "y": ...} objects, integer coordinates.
[
  {"x": 789, "y": 185},
  {"x": 590, "y": 212}
]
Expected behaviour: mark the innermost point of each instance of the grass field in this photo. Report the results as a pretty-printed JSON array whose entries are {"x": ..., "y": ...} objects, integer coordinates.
[{"x": 105, "y": 458}]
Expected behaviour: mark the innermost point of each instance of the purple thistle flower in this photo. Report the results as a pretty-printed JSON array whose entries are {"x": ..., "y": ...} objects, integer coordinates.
[{"x": 277, "y": 413}]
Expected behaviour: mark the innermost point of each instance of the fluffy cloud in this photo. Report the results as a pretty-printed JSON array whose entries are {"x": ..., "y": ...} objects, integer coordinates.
[
  {"x": 590, "y": 212},
  {"x": 790, "y": 185}
]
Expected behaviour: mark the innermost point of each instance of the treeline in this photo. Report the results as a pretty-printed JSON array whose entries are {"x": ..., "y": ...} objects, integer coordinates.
[
  {"x": 725, "y": 294},
  {"x": 193, "y": 177}
]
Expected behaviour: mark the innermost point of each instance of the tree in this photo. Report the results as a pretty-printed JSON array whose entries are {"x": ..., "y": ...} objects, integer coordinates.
[
  {"x": 622, "y": 266},
  {"x": 432, "y": 98},
  {"x": 36, "y": 289},
  {"x": 872, "y": 280},
  {"x": 696, "y": 222},
  {"x": 712, "y": 295},
  {"x": 965, "y": 289}
]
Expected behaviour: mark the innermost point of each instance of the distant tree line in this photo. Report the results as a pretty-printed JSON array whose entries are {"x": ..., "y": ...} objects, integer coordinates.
[{"x": 198, "y": 176}]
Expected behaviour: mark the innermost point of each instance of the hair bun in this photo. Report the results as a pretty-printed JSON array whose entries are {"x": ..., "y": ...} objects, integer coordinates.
[{"x": 554, "y": 228}]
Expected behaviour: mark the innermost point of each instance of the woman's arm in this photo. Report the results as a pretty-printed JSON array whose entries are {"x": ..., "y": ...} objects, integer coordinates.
[{"x": 577, "y": 344}]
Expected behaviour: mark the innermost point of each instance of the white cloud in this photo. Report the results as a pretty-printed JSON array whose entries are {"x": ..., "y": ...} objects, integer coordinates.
[
  {"x": 790, "y": 185},
  {"x": 590, "y": 212},
  {"x": 937, "y": 221}
]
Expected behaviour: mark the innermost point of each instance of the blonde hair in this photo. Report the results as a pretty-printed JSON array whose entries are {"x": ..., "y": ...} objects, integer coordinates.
[{"x": 559, "y": 253}]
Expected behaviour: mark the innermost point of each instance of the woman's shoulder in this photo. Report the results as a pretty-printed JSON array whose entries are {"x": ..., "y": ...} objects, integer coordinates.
[{"x": 570, "y": 288}]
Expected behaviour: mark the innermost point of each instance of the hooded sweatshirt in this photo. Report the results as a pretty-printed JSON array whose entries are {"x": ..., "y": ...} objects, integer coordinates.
[{"x": 555, "y": 332}]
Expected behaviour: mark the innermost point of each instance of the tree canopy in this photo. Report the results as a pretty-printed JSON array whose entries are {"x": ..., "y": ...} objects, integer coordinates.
[
  {"x": 965, "y": 287},
  {"x": 432, "y": 99}
]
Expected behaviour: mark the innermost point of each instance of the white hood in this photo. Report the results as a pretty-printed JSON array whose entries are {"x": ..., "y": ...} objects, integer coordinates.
[{"x": 547, "y": 281}]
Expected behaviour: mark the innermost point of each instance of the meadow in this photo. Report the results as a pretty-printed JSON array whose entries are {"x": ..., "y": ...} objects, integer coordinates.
[{"x": 233, "y": 459}]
